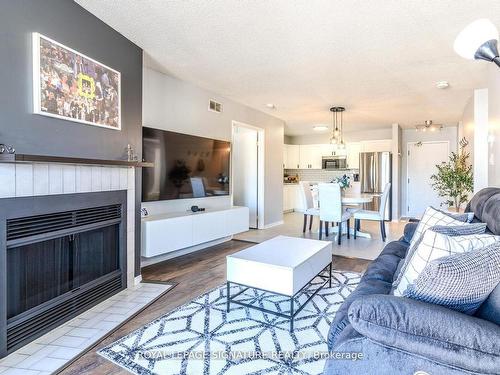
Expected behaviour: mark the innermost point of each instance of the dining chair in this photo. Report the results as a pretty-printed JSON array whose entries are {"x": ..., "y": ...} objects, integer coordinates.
[
  {"x": 374, "y": 215},
  {"x": 309, "y": 209},
  {"x": 331, "y": 210},
  {"x": 198, "y": 186}
]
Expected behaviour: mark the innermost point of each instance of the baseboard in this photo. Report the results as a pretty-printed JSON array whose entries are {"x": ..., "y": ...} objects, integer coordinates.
[{"x": 267, "y": 226}]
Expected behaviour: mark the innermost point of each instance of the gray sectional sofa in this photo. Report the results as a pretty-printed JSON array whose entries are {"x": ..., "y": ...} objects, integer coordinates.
[{"x": 399, "y": 335}]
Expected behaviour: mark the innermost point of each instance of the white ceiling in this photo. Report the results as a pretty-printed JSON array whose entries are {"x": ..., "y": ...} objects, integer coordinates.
[{"x": 379, "y": 58}]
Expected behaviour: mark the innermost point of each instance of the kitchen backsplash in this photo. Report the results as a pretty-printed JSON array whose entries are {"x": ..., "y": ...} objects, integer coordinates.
[{"x": 318, "y": 175}]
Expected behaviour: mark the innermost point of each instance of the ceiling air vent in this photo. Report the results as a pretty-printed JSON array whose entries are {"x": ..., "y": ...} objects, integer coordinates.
[{"x": 214, "y": 106}]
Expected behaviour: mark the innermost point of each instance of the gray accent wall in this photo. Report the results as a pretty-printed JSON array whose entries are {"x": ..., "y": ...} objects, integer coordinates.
[{"x": 68, "y": 23}]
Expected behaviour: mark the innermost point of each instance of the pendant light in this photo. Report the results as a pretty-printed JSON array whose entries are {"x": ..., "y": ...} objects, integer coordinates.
[{"x": 337, "y": 137}]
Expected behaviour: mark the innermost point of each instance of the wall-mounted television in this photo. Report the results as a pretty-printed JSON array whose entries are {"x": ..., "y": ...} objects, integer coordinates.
[{"x": 185, "y": 166}]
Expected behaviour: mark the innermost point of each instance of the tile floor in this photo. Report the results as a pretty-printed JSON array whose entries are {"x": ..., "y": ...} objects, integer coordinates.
[
  {"x": 55, "y": 349},
  {"x": 363, "y": 248}
]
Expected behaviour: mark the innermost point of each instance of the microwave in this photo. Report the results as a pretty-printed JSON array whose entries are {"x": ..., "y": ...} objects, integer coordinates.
[{"x": 335, "y": 162}]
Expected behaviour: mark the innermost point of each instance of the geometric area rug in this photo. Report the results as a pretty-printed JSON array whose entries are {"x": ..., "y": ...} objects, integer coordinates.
[{"x": 200, "y": 337}]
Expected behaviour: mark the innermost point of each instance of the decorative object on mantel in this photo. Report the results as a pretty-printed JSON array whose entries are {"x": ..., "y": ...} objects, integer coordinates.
[
  {"x": 71, "y": 86},
  {"x": 344, "y": 182},
  {"x": 25, "y": 158},
  {"x": 337, "y": 137},
  {"x": 454, "y": 180},
  {"x": 131, "y": 155},
  {"x": 7, "y": 149}
]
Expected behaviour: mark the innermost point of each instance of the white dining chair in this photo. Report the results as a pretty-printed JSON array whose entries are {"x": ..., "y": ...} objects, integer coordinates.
[
  {"x": 309, "y": 209},
  {"x": 331, "y": 210},
  {"x": 374, "y": 215}
]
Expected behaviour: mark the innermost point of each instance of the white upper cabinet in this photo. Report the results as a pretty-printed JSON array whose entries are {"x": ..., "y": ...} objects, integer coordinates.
[
  {"x": 292, "y": 159},
  {"x": 376, "y": 146},
  {"x": 310, "y": 157},
  {"x": 353, "y": 150}
]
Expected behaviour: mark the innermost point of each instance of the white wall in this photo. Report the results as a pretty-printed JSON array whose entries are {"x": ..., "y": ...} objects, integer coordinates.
[
  {"x": 466, "y": 128},
  {"x": 481, "y": 127},
  {"x": 175, "y": 105},
  {"x": 322, "y": 138},
  {"x": 448, "y": 133},
  {"x": 494, "y": 126},
  {"x": 480, "y": 165}
]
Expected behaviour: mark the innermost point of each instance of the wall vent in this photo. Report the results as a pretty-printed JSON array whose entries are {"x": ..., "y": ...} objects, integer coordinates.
[{"x": 214, "y": 106}]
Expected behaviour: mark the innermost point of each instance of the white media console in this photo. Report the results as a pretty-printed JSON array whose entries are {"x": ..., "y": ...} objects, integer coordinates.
[{"x": 162, "y": 234}]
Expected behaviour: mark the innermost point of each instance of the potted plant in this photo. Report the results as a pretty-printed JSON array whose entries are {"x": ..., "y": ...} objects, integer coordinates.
[
  {"x": 454, "y": 179},
  {"x": 344, "y": 182}
]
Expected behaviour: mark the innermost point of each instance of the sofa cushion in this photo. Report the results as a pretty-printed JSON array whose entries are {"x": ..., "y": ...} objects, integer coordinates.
[
  {"x": 384, "y": 267},
  {"x": 366, "y": 287},
  {"x": 376, "y": 280},
  {"x": 462, "y": 281},
  {"x": 409, "y": 231},
  {"x": 490, "y": 309},
  {"x": 430, "y": 331},
  {"x": 486, "y": 207}
]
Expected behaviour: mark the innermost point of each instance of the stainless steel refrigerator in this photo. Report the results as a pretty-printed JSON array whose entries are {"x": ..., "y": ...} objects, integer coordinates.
[{"x": 375, "y": 170}]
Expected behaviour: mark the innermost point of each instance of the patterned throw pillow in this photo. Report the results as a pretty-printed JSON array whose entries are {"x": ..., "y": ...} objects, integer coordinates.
[
  {"x": 430, "y": 218},
  {"x": 461, "y": 281},
  {"x": 465, "y": 217},
  {"x": 436, "y": 245}
]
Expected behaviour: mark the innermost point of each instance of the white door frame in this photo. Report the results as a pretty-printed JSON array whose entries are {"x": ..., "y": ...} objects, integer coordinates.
[
  {"x": 408, "y": 162},
  {"x": 260, "y": 169}
]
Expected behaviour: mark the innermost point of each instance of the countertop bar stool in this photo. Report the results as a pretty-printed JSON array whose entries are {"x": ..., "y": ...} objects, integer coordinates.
[{"x": 330, "y": 209}]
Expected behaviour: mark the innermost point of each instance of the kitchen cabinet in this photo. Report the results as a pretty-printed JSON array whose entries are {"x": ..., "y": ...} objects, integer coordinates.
[
  {"x": 292, "y": 158},
  {"x": 376, "y": 146},
  {"x": 292, "y": 198},
  {"x": 331, "y": 150},
  {"x": 353, "y": 150},
  {"x": 310, "y": 156}
]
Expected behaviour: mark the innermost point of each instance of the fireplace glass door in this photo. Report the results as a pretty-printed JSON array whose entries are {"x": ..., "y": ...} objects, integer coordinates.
[{"x": 48, "y": 269}]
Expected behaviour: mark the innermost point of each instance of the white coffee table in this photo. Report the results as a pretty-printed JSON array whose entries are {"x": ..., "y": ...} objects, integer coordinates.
[{"x": 282, "y": 265}]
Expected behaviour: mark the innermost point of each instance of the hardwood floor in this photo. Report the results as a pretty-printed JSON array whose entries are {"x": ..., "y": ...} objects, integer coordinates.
[{"x": 194, "y": 274}]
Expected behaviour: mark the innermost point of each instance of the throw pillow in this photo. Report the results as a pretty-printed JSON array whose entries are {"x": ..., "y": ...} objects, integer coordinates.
[
  {"x": 466, "y": 217},
  {"x": 431, "y": 217},
  {"x": 436, "y": 245},
  {"x": 460, "y": 281}
]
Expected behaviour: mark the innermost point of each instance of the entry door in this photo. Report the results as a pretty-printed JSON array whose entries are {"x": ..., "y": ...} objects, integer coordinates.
[
  {"x": 422, "y": 160},
  {"x": 245, "y": 170}
]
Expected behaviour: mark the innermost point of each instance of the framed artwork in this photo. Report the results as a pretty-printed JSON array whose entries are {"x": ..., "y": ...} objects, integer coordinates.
[{"x": 71, "y": 86}]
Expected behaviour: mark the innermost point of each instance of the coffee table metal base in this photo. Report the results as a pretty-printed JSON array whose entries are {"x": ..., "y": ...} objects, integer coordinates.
[{"x": 293, "y": 313}]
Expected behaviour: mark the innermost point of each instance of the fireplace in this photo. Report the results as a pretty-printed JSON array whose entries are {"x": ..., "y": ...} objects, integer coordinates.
[{"x": 60, "y": 255}]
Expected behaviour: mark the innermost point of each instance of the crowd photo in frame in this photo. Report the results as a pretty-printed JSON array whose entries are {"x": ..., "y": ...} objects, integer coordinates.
[{"x": 71, "y": 86}]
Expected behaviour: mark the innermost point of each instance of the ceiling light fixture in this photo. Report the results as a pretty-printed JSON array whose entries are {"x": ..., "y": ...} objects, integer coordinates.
[
  {"x": 337, "y": 137},
  {"x": 271, "y": 106},
  {"x": 442, "y": 85},
  {"x": 320, "y": 128},
  {"x": 428, "y": 125},
  {"x": 478, "y": 41}
]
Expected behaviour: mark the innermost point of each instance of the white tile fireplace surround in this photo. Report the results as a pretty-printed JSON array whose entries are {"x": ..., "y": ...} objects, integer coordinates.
[{"x": 34, "y": 179}]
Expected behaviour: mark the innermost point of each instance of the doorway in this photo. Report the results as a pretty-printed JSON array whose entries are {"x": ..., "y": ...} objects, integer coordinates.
[
  {"x": 247, "y": 164},
  {"x": 422, "y": 159}
]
